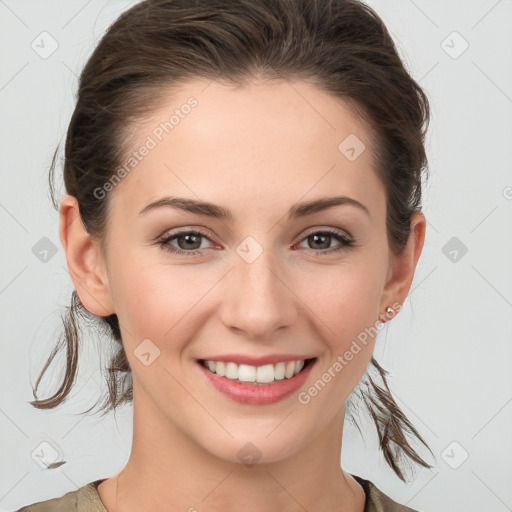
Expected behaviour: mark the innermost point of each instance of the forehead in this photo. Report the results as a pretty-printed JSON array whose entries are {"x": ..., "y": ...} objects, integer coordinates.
[{"x": 272, "y": 141}]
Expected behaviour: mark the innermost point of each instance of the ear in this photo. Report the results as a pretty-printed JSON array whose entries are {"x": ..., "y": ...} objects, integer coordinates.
[
  {"x": 85, "y": 260},
  {"x": 402, "y": 266}
]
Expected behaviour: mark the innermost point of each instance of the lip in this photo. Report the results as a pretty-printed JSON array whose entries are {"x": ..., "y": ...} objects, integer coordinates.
[
  {"x": 253, "y": 394},
  {"x": 257, "y": 360}
]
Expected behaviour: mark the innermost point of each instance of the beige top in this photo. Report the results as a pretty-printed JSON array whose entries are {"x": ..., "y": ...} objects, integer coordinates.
[{"x": 87, "y": 499}]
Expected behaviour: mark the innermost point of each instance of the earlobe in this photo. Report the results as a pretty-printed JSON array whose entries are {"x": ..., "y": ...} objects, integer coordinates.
[
  {"x": 403, "y": 265},
  {"x": 85, "y": 262}
]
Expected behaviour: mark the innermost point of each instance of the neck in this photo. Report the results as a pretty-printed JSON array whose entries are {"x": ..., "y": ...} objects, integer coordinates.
[{"x": 169, "y": 471}]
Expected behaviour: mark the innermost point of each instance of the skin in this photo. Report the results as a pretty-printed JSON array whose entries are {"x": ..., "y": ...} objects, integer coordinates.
[{"x": 256, "y": 150}]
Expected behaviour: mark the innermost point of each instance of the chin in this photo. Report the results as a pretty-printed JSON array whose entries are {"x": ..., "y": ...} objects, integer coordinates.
[{"x": 253, "y": 450}]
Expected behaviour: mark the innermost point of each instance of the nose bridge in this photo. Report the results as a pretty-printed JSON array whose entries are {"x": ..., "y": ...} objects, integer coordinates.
[{"x": 258, "y": 302}]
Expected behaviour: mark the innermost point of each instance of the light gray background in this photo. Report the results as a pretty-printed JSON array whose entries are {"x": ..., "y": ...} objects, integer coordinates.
[{"x": 449, "y": 350}]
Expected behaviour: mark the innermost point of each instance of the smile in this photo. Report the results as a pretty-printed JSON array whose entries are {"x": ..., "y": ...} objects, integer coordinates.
[
  {"x": 265, "y": 374},
  {"x": 251, "y": 392}
]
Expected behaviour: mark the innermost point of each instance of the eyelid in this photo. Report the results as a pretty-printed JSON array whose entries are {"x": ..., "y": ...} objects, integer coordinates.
[
  {"x": 187, "y": 229},
  {"x": 317, "y": 229},
  {"x": 344, "y": 239},
  {"x": 208, "y": 234}
]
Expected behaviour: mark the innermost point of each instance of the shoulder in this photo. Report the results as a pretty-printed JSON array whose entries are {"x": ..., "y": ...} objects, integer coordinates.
[
  {"x": 84, "y": 499},
  {"x": 377, "y": 501}
]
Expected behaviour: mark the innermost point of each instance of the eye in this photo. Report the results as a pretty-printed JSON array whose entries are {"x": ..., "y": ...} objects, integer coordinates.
[
  {"x": 324, "y": 238},
  {"x": 189, "y": 242},
  {"x": 186, "y": 240}
]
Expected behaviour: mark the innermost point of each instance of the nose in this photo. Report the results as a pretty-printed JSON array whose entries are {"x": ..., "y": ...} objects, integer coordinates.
[{"x": 257, "y": 299}]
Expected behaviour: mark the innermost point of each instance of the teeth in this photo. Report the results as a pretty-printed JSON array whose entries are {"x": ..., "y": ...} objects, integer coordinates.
[
  {"x": 255, "y": 374},
  {"x": 279, "y": 371}
]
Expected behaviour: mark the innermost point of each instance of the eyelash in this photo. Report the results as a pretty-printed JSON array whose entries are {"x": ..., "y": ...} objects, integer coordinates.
[{"x": 164, "y": 242}]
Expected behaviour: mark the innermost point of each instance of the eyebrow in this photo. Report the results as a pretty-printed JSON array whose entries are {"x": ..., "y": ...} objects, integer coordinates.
[{"x": 218, "y": 212}]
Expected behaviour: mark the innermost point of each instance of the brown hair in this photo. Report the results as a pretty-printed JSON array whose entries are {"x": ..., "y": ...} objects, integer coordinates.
[{"x": 340, "y": 46}]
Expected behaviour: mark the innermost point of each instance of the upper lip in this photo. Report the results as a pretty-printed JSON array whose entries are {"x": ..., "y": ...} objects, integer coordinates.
[{"x": 257, "y": 360}]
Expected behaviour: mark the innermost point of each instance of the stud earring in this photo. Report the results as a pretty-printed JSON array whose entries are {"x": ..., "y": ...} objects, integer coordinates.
[{"x": 388, "y": 314}]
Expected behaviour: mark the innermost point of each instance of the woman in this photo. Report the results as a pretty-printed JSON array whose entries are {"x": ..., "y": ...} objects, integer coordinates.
[{"x": 284, "y": 142}]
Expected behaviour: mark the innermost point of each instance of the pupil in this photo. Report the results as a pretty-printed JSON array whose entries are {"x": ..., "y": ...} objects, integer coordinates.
[
  {"x": 316, "y": 237},
  {"x": 188, "y": 237}
]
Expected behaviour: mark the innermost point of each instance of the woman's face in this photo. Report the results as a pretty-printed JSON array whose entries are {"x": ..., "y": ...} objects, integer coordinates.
[{"x": 257, "y": 282}]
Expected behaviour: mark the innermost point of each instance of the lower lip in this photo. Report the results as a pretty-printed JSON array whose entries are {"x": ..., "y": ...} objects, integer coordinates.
[{"x": 255, "y": 394}]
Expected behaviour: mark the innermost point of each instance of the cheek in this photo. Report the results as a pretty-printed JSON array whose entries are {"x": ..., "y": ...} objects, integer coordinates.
[
  {"x": 158, "y": 301},
  {"x": 343, "y": 303},
  {"x": 344, "y": 298}
]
